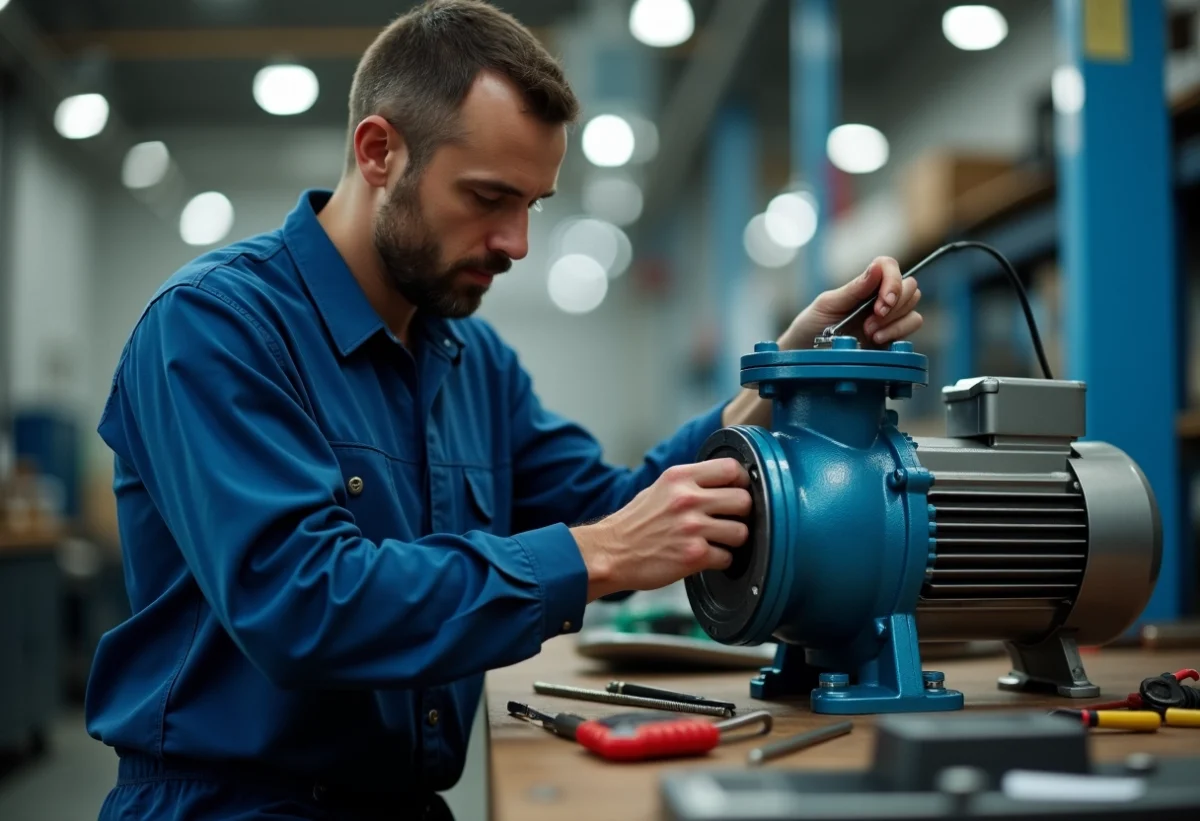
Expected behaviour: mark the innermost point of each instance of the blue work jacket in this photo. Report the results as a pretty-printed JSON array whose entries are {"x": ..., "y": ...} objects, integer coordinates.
[{"x": 328, "y": 539}]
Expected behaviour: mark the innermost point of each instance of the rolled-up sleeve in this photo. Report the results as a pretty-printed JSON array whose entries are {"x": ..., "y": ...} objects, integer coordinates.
[{"x": 208, "y": 409}]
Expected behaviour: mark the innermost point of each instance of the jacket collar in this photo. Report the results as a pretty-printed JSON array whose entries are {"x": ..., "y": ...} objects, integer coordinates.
[{"x": 344, "y": 308}]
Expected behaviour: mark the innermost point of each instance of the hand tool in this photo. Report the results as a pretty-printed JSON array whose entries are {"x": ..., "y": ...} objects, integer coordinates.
[
  {"x": 1165, "y": 691},
  {"x": 1134, "y": 701},
  {"x": 629, "y": 689},
  {"x": 800, "y": 741},
  {"x": 640, "y": 736},
  {"x": 584, "y": 694},
  {"x": 1145, "y": 721},
  {"x": 1178, "y": 717}
]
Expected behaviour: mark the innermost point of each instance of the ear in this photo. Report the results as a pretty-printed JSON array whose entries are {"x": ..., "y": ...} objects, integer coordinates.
[{"x": 380, "y": 151}]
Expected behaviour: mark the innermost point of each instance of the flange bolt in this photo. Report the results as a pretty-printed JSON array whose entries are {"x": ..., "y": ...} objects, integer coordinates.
[
  {"x": 934, "y": 680},
  {"x": 833, "y": 681}
]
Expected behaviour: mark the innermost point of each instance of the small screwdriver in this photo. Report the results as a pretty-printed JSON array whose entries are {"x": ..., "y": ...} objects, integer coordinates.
[
  {"x": 1144, "y": 721},
  {"x": 640, "y": 736}
]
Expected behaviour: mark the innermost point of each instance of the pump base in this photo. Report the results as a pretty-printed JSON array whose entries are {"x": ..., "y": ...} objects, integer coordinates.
[
  {"x": 863, "y": 699},
  {"x": 1050, "y": 665},
  {"x": 890, "y": 681}
]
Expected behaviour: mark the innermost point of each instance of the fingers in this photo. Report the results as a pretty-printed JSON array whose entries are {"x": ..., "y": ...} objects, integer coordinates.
[
  {"x": 910, "y": 295},
  {"x": 733, "y": 501},
  {"x": 906, "y": 325},
  {"x": 715, "y": 473},
  {"x": 727, "y": 532},
  {"x": 891, "y": 286},
  {"x": 716, "y": 558}
]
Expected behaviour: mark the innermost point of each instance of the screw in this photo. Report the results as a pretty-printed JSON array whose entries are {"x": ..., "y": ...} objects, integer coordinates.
[
  {"x": 834, "y": 681},
  {"x": 934, "y": 680},
  {"x": 754, "y": 590}
]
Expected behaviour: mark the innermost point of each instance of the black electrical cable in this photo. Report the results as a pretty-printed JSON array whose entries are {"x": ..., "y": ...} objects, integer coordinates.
[{"x": 1013, "y": 279}]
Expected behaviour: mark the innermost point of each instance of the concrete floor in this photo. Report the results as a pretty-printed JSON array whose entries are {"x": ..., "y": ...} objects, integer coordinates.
[{"x": 70, "y": 780}]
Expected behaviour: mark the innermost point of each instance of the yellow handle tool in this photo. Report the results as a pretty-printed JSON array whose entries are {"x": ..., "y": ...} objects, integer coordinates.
[
  {"x": 1145, "y": 721},
  {"x": 1178, "y": 717}
]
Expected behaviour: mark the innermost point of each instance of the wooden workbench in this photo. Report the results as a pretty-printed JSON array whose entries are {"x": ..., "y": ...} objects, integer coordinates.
[{"x": 537, "y": 776}]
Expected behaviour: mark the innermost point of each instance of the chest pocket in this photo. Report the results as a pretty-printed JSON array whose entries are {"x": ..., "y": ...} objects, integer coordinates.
[
  {"x": 487, "y": 500},
  {"x": 380, "y": 492}
]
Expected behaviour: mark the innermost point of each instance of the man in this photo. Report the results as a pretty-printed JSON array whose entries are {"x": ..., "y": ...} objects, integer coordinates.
[{"x": 340, "y": 500}]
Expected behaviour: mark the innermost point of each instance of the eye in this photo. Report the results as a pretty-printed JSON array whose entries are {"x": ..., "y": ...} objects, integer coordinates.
[{"x": 486, "y": 202}]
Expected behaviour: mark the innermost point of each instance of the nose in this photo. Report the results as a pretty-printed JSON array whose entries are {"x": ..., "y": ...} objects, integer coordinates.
[{"x": 511, "y": 237}]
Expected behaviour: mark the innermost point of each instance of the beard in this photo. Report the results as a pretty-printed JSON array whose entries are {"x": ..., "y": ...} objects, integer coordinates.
[{"x": 412, "y": 259}]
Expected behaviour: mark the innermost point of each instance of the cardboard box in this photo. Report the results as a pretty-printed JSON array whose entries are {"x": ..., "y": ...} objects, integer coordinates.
[{"x": 934, "y": 186}]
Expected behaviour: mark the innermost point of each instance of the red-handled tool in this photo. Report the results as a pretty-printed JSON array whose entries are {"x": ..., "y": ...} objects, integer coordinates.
[
  {"x": 1135, "y": 701},
  {"x": 640, "y": 736}
]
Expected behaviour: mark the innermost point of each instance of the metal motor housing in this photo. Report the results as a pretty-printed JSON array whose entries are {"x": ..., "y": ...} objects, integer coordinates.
[{"x": 864, "y": 539}]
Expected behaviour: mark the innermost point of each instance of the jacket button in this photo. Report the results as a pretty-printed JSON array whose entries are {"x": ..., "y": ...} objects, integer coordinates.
[
  {"x": 355, "y": 485},
  {"x": 432, "y": 718},
  {"x": 566, "y": 627}
]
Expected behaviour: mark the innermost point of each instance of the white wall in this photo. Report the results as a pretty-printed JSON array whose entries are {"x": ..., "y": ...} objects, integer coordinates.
[
  {"x": 599, "y": 369},
  {"x": 52, "y": 268}
]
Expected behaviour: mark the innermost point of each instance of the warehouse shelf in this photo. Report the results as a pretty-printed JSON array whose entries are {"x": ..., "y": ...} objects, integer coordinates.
[{"x": 1018, "y": 213}]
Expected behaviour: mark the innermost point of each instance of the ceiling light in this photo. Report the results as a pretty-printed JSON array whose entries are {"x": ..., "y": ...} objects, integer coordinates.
[
  {"x": 206, "y": 219},
  {"x": 616, "y": 199},
  {"x": 662, "y": 23},
  {"x": 608, "y": 141},
  {"x": 600, "y": 240},
  {"x": 145, "y": 164},
  {"x": 3, "y": 4},
  {"x": 1067, "y": 90},
  {"x": 761, "y": 248},
  {"x": 974, "y": 28},
  {"x": 791, "y": 219},
  {"x": 857, "y": 149},
  {"x": 577, "y": 284},
  {"x": 81, "y": 116},
  {"x": 284, "y": 90}
]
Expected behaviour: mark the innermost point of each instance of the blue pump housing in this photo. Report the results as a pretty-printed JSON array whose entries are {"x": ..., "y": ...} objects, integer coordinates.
[{"x": 841, "y": 536}]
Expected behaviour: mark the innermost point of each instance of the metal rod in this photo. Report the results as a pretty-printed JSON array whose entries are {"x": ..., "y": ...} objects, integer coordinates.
[
  {"x": 798, "y": 742},
  {"x": 757, "y": 717},
  {"x": 584, "y": 694}
]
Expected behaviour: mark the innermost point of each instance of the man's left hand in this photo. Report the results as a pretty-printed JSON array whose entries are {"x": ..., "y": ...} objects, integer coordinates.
[{"x": 893, "y": 316}]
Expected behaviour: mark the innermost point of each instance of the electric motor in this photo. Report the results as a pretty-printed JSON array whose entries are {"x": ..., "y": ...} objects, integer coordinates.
[{"x": 863, "y": 539}]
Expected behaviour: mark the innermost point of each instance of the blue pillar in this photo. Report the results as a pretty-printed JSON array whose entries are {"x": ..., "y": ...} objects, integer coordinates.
[
  {"x": 732, "y": 178},
  {"x": 958, "y": 342},
  {"x": 1118, "y": 249},
  {"x": 815, "y": 55}
]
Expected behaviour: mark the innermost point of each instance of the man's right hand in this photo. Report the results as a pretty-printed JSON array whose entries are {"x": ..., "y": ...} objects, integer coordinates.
[{"x": 670, "y": 530}]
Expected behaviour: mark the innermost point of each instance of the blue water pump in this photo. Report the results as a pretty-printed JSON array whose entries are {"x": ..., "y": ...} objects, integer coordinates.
[{"x": 863, "y": 537}]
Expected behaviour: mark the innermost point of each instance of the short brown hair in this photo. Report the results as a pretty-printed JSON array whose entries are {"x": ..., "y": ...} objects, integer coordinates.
[{"x": 419, "y": 69}]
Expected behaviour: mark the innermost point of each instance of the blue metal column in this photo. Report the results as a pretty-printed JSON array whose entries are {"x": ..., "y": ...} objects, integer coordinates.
[
  {"x": 958, "y": 341},
  {"x": 815, "y": 55},
  {"x": 1118, "y": 248},
  {"x": 732, "y": 177}
]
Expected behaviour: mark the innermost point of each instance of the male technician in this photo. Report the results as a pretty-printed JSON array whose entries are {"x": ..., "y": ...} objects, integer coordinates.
[{"x": 340, "y": 500}]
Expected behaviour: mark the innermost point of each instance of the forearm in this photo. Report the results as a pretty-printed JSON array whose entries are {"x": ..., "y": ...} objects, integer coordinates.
[{"x": 399, "y": 614}]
